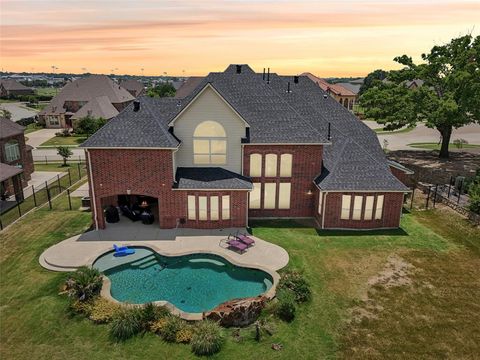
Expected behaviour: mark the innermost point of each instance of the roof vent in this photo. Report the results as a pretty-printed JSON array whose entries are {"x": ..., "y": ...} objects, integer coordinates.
[
  {"x": 239, "y": 69},
  {"x": 179, "y": 103},
  {"x": 325, "y": 96},
  {"x": 329, "y": 134},
  {"x": 263, "y": 77},
  {"x": 288, "y": 88},
  {"x": 136, "y": 105},
  {"x": 268, "y": 76},
  {"x": 295, "y": 79}
]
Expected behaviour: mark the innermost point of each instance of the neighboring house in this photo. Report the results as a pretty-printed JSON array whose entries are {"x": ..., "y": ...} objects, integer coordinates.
[
  {"x": 134, "y": 87},
  {"x": 340, "y": 93},
  {"x": 354, "y": 88},
  {"x": 414, "y": 84},
  {"x": 16, "y": 158},
  {"x": 188, "y": 86},
  {"x": 95, "y": 95},
  {"x": 241, "y": 147},
  {"x": 11, "y": 88}
]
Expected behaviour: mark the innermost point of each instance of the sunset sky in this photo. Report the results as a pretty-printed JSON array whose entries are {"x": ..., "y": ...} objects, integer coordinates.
[{"x": 328, "y": 38}]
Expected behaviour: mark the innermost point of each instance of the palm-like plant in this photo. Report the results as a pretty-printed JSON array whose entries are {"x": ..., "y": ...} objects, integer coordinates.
[{"x": 84, "y": 284}]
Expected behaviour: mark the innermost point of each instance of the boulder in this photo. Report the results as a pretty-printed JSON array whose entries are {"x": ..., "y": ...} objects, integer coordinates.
[{"x": 237, "y": 312}]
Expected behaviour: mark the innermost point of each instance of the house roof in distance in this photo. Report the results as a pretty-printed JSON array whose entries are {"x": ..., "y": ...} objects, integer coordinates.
[
  {"x": 132, "y": 85},
  {"x": 337, "y": 89},
  {"x": 188, "y": 86},
  {"x": 99, "y": 107},
  {"x": 8, "y": 171},
  {"x": 9, "y": 128},
  {"x": 210, "y": 178},
  {"x": 10, "y": 84}
]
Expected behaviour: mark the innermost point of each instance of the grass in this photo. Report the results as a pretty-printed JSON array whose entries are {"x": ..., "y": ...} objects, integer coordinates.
[
  {"x": 46, "y": 91},
  {"x": 417, "y": 321},
  {"x": 32, "y": 127},
  {"x": 56, "y": 167},
  {"x": 382, "y": 131},
  {"x": 436, "y": 146},
  {"x": 64, "y": 141}
]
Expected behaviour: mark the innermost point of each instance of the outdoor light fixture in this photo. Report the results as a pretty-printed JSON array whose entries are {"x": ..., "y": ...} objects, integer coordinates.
[
  {"x": 309, "y": 192},
  {"x": 129, "y": 191}
]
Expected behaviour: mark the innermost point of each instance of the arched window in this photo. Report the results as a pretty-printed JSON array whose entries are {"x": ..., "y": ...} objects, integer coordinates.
[
  {"x": 271, "y": 165},
  {"x": 12, "y": 151},
  {"x": 255, "y": 165},
  {"x": 209, "y": 144}
]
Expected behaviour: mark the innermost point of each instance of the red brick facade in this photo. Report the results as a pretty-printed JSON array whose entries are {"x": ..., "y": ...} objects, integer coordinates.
[
  {"x": 405, "y": 178},
  {"x": 25, "y": 161},
  {"x": 306, "y": 166}
]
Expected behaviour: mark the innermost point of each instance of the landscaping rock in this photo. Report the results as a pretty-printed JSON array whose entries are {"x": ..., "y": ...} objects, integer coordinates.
[{"x": 238, "y": 312}]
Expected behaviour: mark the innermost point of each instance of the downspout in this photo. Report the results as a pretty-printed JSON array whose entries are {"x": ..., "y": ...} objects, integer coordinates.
[
  {"x": 93, "y": 189},
  {"x": 323, "y": 210}
]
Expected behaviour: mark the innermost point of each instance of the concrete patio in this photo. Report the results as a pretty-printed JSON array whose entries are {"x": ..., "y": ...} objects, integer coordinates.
[{"x": 84, "y": 249}]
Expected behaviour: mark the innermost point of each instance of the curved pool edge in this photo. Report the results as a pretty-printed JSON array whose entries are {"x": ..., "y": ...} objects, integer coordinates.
[{"x": 106, "y": 293}]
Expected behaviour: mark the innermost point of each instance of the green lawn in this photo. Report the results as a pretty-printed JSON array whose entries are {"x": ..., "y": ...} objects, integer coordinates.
[
  {"x": 382, "y": 131},
  {"x": 434, "y": 317},
  {"x": 32, "y": 127},
  {"x": 47, "y": 91},
  {"x": 64, "y": 140},
  {"x": 436, "y": 146}
]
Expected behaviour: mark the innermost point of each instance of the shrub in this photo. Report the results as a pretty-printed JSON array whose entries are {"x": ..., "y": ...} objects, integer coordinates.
[
  {"x": 207, "y": 338},
  {"x": 81, "y": 307},
  {"x": 158, "y": 326},
  {"x": 103, "y": 311},
  {"x": 84, "y": 284},
  {"x": 126, "y": 323},
  {"x": 184, "y": 335},
  {"x": 286, "y": 305},
  {"x": 173, "y": 325},
  {"x": 151, "y": 313},
  {"x": 294, "y": 281}
]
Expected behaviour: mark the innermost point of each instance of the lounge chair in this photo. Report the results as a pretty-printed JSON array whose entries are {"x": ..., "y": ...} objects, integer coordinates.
[
  {"x": 237, "y": 245},
  {"x": 247, "y": 240},
  {"x": 122, "y": 251}
]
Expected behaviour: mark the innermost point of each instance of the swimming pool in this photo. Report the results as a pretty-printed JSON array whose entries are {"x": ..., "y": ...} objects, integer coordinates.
[{"x": 193, "y": 283}]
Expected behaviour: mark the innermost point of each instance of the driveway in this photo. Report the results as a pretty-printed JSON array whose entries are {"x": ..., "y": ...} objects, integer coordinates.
[
  {"x": 18, "y": 110},
  {"x": 36, "y": 138}
]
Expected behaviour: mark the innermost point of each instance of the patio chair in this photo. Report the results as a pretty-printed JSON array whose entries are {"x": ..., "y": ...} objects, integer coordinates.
[
  {"x": 244, "y": 238},
  {"x": 237, "y": 245},
  {"x": 122, "y": 251}
]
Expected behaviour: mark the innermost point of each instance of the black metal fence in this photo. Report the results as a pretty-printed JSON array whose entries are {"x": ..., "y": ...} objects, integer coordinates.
[
  {"x": 54, "y": 158},
  {"x": 17, "y": 205}
]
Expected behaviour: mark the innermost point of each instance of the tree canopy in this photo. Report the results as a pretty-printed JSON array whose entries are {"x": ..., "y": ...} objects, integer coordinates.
[
  {"x": 449, "y": 97},
  {"x": 162, "y": 90},
  {"x": 89, "y": 125},
  {"x": 371, "y": 79}
]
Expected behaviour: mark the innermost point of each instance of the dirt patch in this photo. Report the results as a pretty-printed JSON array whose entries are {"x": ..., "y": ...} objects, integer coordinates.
[{"x": 395, "y": 273}]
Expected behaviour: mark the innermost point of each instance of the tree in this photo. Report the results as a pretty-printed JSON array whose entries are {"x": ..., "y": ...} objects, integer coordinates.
[
  {"x": 89, "y": 125},
  {"x": 162, "y": 90},
  {"x": 474, "y": 194},
  {"x": 448, "y": 99},
  {"x": 65, "y": 153},
  {"x": 372, "y": 79}
]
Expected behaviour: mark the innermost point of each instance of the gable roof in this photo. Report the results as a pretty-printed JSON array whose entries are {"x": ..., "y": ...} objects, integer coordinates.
[
  {"x": 188, "y": 86},
  {"x": 99, "y": 107},
  {"x": 337, "y": 89},
  {"x": 132, "y": 85},
  {"x": 9, "y": 128},
  {"x": 10, "y": 84},
  {"x": 8, "y": 171}
]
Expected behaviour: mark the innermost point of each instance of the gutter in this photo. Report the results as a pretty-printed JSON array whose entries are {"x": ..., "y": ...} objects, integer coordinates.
[{"x": 93, "y": 189}]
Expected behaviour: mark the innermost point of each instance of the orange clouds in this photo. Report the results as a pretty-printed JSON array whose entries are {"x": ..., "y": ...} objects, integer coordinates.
[{"x": 342, "y": 38}]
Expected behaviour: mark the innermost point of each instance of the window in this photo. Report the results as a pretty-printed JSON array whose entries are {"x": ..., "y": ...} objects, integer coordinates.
[
  {"x": 320, "y": 198},
  {"x": 271, "y": 165},
  {"x": 12, "y": 151},
  {"x": 255, "y": 196},
  {"x": 284, "y": 196},
  {"x": 346, "y": 203},
  {"x": 286, "y": 165},
  {"x": 209, "y": 144},
  {"x": 379, "y": 208},
  {"x": 255, "y": 165},
  {"x": 357, "y": 208},
  {"x": 191, "y": 208},
  {"x": 270, "y": 192},
  {"x": 368, "y": 208},
  {"x": 53, "y": 120},
  {"x": 202, "y": 208},
  {"x": 213, "y": 207},
  {"x": 226, "y": 207}
]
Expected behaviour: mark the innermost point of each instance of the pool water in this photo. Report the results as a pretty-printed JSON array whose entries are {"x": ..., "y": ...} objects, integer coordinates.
[{"x": 193, "y": 283}]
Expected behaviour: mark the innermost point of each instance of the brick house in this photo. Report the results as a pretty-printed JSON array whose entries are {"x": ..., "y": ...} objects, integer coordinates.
[
  {"x": 240, "y": 146},
  {"x": 11, "y": 88},
  {"x": 97, "y": 96},
  {"x": 16, "y": 158},
  {"x": 134, "y": 87}
]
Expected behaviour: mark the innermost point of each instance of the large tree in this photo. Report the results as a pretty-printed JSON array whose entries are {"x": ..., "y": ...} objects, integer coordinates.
[
  {"x": 371, "y": 79},
  {"x": 162, "y": 90},
  {"x": 448, "y": 99}
]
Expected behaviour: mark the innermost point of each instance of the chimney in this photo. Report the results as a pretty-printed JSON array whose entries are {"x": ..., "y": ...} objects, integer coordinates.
[
  {"x": 268, "y": 76},
  {"x": 239, "y": 69},
  {"x": 329, "y": 134},
  {"x": 136, "y": 105},
  {"x": 295, "y": 79}
]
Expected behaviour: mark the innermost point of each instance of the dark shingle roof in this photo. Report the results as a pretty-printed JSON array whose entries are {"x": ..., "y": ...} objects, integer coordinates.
[
  {"x": 211, "y": 178},
  {"x": 8, "y": 171},
  {"x": 9, "y": 128},
  {"x": 10, "y": 85}
]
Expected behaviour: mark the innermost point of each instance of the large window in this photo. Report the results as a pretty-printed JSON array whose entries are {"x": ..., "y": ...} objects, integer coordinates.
[
  {"x": 286, "y": 165},
  {"x": 12, "y": 151},
  {"x": 357, "y": 207},
  {"x": 346, "y": 203},
  {"x": 225, "y": 207},
  {"x": 255, "y": 196},
  {"x": 270, "y": 192},
  {"x": 53, "y": 120},
  {"x": 191, "y": 208},
  {"x": 379, "y": 208},
  {"x": 255, "y": 165},
  {"x": 202, "y": 208},
  {"x": 368, "y": 208},
  {"x": 213, "y": 207},
  {"x": 284, "y": 195},
  {"x": 209, "y": 144},
  {"x": 271, "y": 165}
]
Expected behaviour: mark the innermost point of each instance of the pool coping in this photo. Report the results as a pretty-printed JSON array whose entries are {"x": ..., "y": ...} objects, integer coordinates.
[{"x": 106, "y": 288}]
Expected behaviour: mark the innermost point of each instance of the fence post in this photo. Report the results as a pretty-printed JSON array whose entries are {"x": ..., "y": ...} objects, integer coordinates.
[
  {"x": 428, "y": 196},
  {"x": 79, "y": 172},
  {"x": 58, "y": 183},
  {"x": 46, "y": 161},
  {"x": 435, "y": 195},
  {"x": 19, "y": 210},
  {"x": 1, "y": 224},
  {"x": 459, "y": 193},
  {"x": 69, "y": 200},
  {"x": 411, "y": 202},
  {"x": 34, "y": 196},
  {"x": 48, "y": 196},
  {"x": 69, "y": 177}
]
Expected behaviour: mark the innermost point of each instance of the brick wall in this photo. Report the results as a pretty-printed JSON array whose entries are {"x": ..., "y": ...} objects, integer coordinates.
[
  {"x": 306, "y": 165},
  {"x": 392, "y": 206},
  {"x": 25, "y": 160},
  {"x": 405, "y": 178},
  {"x": 150, "y": 173}
]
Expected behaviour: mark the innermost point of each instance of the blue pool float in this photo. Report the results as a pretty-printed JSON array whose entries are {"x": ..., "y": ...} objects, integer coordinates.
[{"x": 122, "y": 251}]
